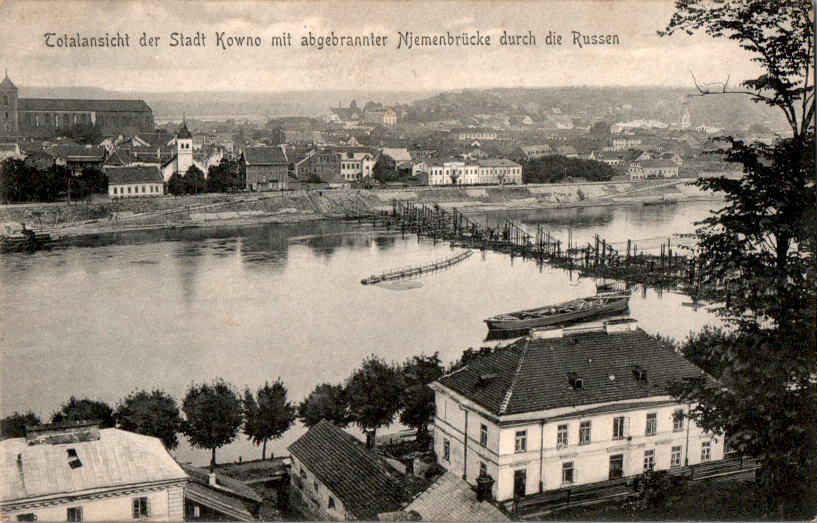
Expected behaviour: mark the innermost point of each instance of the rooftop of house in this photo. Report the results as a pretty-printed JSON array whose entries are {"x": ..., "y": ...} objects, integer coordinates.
[
  {"x": 66, "y": 104},
  {"x": 536, "y": 374},
  {"x": 657, "y": 164},
  {"x": 134, "y": 174},
  {"x": 264, "y": 155},
  {"x": 450, "y": 498},
  {"x": 364, "y": 483},
  {"x": 497, "y": 162},
  {"x": 68, "y": 459},
  {"x": 224, "y": 494},
  {"x": 155, "y": 139},
  {"x": 77, "y": 152}
]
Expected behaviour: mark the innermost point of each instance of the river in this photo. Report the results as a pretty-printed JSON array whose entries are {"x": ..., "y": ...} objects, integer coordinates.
[{"x": 168, "y": 308}]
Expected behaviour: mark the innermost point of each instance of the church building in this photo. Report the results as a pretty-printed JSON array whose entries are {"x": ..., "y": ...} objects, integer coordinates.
[{"x": 40, "y": 117}]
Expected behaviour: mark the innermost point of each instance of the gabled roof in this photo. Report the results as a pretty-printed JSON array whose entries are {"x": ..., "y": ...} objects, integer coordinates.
[
  {"x": 77, "y": 152},
  {"x": 264, "y": 155},
  {"x": 450, "y": 498},
  {"x": 657, "y": 164},
  {"x": 154, "y": 139},
  {"x": 366, "y": 485},
  {"x": 134, "y": 174},
  {"x": 64, "y": 104},
  {"x": 117, "y": 458},
  {"x": 532, "y": 374}
]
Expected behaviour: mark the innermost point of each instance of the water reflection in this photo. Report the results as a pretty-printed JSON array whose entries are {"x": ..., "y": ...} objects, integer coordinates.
[{"x": 167, "y": 308}]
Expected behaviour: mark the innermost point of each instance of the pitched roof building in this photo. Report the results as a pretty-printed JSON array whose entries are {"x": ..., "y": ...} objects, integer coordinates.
[
  {"x": 337, "y": 477},
  {"x": 566, "y": 407},
  {"x": 77, "y": 471},
  {"x": 213, "y": 496}
]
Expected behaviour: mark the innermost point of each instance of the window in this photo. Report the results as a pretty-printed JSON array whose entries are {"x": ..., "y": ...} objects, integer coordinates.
[
  {"x": 483, "y": 468},
  {"x": 446, "y": 450},
  {"x": 483, "y": 435},
  {"x": 616, "y": 466},
  {"x": 618, "y": 427},
  {"x": 651, "y": 424},
  {"x": 331, "y": 502},
  {"x": 115, "y": 190},
  {"x": 584, "y": 433},
  {"x": 73, "y": 460},
  {"x": 141, "y": 508},
  {"x": 568, "y": 473},
  {"x": 74, "y": 514},
  {"x": 561, "y": 436},
  {"x": 316, "y": 486},
  {"x": 521, "y": 443},
  {"x": 29, "y": 516},
  {"x": 675, "y": 457},
  {"x": 5, "y": 99},
  {"x": 678, "y": 420},
  {"x": 649, "y": 460},
  {"x": 706, "y": 450}
]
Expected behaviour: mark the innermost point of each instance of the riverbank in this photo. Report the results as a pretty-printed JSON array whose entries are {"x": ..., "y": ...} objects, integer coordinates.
[{"x": 212, "y": 210}]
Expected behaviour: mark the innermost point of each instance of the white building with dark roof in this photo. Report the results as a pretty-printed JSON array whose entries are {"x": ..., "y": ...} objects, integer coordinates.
[
  {"x": 135, "y": 181},
  {"x": 568, "y": 407},
  {"x": 79, "y": 472}
]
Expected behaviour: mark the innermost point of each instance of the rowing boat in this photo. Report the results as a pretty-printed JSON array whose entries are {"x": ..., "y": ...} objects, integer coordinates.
[{"x": 566, "y": 312}]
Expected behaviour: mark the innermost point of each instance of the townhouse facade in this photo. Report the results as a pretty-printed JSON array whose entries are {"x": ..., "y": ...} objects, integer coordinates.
[
  {"x": 491, "y": 171},
  {"x": 654, "y": 168},
  {"x": 569, "y": 409},
  {"x": 475, "y": 133},
  {"x": 137, "y": 181}
]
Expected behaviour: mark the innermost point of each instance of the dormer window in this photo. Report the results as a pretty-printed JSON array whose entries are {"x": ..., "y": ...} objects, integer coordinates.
[
  {"x": 73, "y": 460},
  {"x": 639, "y": 373},
  {"x": 575, "y": 381}
]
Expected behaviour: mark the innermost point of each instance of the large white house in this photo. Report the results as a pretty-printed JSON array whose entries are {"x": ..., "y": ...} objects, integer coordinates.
[
  {"x": 491, "y": 171},
  {"x": 79, "y": 472},
  {"x": 567, "y": 407},
  {"x": 657, "y": 168}
]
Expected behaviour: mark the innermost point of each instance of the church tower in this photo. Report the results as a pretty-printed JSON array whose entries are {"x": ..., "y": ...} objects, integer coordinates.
[
  {"x": 686, "y": 120},
  {"x": 8, "y": 108},
  {"x": 184, "y": 148}
]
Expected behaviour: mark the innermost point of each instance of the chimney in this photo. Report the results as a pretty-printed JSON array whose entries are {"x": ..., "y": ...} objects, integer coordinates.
[
  {"x": 212, "y": 481},
  {"x": 61, "y": 433},
  {"x": 485, "y": 486}
]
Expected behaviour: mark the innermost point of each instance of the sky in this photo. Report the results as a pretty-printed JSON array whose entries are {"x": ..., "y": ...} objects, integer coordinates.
[{"x": 642, "y": 58}]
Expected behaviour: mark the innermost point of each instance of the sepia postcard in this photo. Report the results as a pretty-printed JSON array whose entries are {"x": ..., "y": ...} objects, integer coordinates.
[{"x": 409, "y": 260}]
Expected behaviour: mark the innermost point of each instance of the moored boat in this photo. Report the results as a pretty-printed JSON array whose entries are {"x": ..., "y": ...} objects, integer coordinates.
[
  {"x": 23, "y": 240},
  {"x": 565, "y": 312}
]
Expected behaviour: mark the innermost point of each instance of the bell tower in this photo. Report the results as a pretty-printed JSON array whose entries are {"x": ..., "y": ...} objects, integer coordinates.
[
  {"x": 8, "y": 108},
  {"x": 184, "y": 148}
]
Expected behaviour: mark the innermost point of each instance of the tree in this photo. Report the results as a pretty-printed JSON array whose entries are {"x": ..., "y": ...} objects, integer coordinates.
[
  {"x": 554, "y": 168},
  {"x": 175, "y": 185},
  {"x": 213, "y": 415},
  {"x": 152, "y": 413},
  {"x": 267, "y": 415},
  {"x": 418, "y": 398},
  {"x": 194, "y": 181},
  {"x": 223, "y": 177},
  {"x": 84, "y": 410},
  {"x": 83, "y": 133},
  {"x": 14, "y": 426},
  {"x": 328, "y": 402},
  {"x": 375, "y": 394},
  {"x": 385, "y": 169},
  {"x": 757, "y": 257}
]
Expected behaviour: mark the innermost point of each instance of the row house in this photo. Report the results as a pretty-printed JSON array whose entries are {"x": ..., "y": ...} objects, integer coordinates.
[
  {"x": 482, "y": 172},
  {"x": 465, "y": 134},
  {"x": 318, "y": 165},
  {"x": 264, "y": 168},
  {"x": 79, "y": 472},
  {"x": 568, "y": 407},
  {"x": 135, "y": 181},
  {"x": 531, "y": 152},
  {"x": 335, "y": 477},
  {"x": 646, "y": 169},
  {"x": 624, "y": 142}
]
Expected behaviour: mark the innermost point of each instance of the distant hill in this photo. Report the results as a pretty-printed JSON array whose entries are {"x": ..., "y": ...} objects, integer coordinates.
[
  {"x": 599, "y": 103},
  {"x": 589, "y": 103}
]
